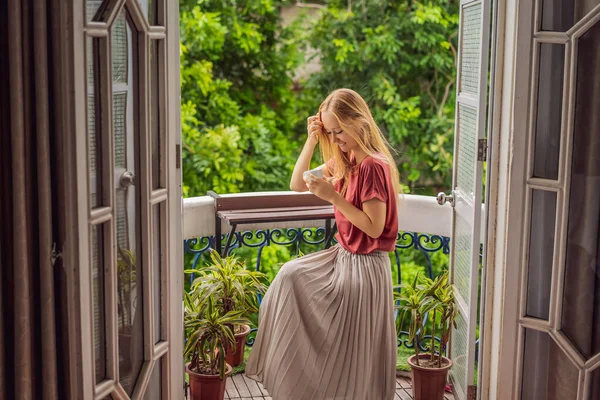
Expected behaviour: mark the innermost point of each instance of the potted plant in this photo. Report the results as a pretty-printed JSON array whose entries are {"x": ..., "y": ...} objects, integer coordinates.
[
  {"x": 234, "y": 288},
  {"x": 207, "y": 333},
  {"x": 429, "y": 370}
]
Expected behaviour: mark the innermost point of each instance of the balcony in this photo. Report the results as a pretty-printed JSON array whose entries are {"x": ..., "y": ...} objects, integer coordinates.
[{"x": 422, "y": 246}]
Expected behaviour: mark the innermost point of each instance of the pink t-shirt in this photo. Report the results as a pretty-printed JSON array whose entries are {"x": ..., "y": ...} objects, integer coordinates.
[{"x": 371, "y": 180}]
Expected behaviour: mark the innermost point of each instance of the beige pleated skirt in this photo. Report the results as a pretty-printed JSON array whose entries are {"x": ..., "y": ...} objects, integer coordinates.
[{"x": 326, "y": 329}]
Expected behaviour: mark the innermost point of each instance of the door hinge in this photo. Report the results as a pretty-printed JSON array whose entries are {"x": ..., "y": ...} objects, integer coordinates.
[
  {"x": 482, "y": 150},
  {"x": 472, "y": 392},
  {"x": 177, "y": 156}
]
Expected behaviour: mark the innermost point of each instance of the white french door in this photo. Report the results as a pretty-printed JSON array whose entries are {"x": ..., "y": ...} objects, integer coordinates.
[
  {"x": 130, "y": 290},
  {"x": 466, "y": 198},
  {"x": 558, "y": 342}
]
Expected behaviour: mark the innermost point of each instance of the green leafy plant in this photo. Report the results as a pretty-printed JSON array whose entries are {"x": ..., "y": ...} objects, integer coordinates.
[
  {"x": 240, "y": 114},
  {"x": 208, "y": 332},
  {"x": 228, "y": 282},
  {"x": 422, "y": 297},
  {"x": 221, "y": 298},
  {"x": 443, "y": 294}
]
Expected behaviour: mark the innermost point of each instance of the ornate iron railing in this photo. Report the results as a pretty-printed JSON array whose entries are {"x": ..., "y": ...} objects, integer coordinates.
[{"x": 425, "y": 245}]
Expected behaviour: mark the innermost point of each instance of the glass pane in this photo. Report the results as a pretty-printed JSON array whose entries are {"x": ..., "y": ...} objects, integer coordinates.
[
  {"x": 154, "y": 391},
  {"x": 129, "y": 270},
  {"x": 581, "y": 296},
  {"x": 119, "y": 41},
  {"x": 459, "y": 348},
  {"x": 157, "y": 227},
  {"x": 595, "y": 386},
  {"x": 470, "y": 48},
  {"x": 541, "y": 253},
  {"x": 93, "y": 123},
  {"x": 97, "y": 237},
  {"x": 467, "y": 150},
  {"x": 547, "y": 371},
  {"x": 149, "y": 8},
  {"x": 120, "y": 103},
  {"x": 156, "y": 127},
  {"x": 91, "y": 8},
  {"x": 561, "y": 15},
  {"x": 463, "y": 253},
  {"x": 549, "y": 108},
  {"x": 557, "y": 15},
  {"x": 99, "y": 10}
]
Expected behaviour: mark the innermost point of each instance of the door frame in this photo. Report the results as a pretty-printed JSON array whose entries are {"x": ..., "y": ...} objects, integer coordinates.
[
  {"x": 73, "y": 244},
  {"x": 506, "y": 205},
  {"x": 175, "y": 212},
  {"x": 70, "y": 184}
]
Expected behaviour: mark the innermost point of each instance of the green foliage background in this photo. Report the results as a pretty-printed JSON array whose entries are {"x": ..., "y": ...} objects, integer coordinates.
[
  {"x": 239, "y": 109},
  {"x": 244, "y": 114}
]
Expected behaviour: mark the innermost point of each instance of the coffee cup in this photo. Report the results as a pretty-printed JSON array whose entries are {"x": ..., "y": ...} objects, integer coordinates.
[{"x": 318, "y": 172}]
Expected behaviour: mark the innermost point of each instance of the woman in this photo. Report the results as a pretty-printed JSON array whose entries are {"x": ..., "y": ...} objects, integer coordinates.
[{"x": 326, "y": 323}]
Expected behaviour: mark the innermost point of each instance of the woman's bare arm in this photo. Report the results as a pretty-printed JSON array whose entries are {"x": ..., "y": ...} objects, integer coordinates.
[
  {"x": 371, "y": 220},
  {"x": 297, "y": 183}
]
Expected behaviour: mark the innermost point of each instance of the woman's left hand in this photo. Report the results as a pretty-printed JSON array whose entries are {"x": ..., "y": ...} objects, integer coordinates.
[{"x": 321, "y": 188}]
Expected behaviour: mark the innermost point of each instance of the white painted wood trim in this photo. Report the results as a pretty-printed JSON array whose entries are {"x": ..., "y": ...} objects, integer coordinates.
[
  {"x": 100, "y": 215},
  {"x": 97, "y": 31},
  {"x": 516, "y": 206},
  {"x": 77, "y": 252},
  {"x": 111, "y": 280},
  {"x": 544, "y": 184},
  {"x": 174, "y": 287},
  {"x": 551, "y": 37},
  {"x": 468, "y": 99},
  {"x": 489, "y": 217},
  {"x": 104, "y": 389},
  {"x": 500, "y": 327},
  {"x": 582, "y": 26}
]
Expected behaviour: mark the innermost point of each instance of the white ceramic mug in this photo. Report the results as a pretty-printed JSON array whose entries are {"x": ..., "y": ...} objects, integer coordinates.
[{"x": 318, "y": 172}]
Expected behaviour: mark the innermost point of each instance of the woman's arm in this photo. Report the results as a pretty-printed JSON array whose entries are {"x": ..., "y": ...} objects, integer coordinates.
[
  {"x": 297, "y": 183},
  {"x": 371, "y": 220},
  {"x": 303, "y": 163}
]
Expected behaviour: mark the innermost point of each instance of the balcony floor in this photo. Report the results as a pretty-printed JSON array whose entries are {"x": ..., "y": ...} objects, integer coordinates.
[{"x": 241, "y": 387}]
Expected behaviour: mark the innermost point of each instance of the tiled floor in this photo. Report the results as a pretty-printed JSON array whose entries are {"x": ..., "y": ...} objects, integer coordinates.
[{"x": 241, "y": 387}]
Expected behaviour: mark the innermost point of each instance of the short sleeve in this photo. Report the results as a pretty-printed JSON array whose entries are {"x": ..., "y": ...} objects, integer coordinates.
[{"x": 373, "y": 178}]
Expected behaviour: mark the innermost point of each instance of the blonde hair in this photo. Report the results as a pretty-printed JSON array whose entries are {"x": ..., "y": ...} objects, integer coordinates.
[{"x": 354, "y": 117}]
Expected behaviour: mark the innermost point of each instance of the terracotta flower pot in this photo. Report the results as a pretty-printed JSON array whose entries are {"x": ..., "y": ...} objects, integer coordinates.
[
  {"x": 207, "y": 387},
  {"x": 428, "y": 383},
  {"x": 236, "y": 358}
]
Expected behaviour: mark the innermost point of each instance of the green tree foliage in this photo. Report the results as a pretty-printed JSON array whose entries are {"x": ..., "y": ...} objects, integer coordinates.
[
  {"x": 400, "y": 56},
  {"x": 238, "y": 104},
  {"x": 243, "y": 116}
]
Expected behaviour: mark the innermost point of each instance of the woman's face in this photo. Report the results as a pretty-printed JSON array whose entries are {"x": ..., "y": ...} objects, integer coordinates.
[{"x": 336, "y": 135}]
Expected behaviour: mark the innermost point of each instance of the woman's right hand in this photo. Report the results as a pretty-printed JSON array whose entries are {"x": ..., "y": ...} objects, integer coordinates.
[{"x": 314, "y": 127}]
